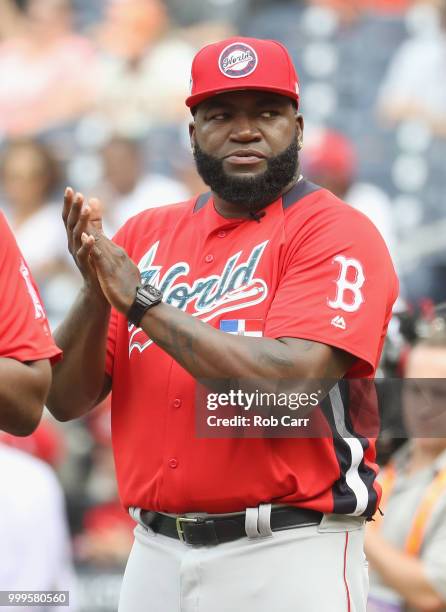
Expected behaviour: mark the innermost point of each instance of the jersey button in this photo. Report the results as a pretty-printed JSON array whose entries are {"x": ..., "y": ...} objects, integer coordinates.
[
  {"x": 177, "y": 403},
  {"x": 173, "y": 463},
  {"x": 221, "y": 234},
  {"x": 209, "y": 258}
]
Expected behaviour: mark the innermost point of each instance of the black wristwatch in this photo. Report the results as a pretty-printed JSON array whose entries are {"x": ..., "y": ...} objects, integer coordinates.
[{"x": 146, "y": 297}]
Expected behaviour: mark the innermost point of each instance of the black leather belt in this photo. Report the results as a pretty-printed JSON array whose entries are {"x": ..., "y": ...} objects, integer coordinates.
[{"x": 206, "y": 531}]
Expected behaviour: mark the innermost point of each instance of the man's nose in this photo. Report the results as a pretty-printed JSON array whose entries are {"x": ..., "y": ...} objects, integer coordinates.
[{"x": 244, "y": 129}]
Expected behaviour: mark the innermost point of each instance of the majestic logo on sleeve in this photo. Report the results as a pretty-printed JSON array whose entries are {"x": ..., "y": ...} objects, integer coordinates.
[
  {"x": 350, "y": 281},
  {"x": 233, "y": 289},
  {"x": 237, "y": 60}
]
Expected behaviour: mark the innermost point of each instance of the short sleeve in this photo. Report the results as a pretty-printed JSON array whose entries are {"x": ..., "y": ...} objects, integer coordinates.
[
  {"x": 338, "y": 286},
  {"x": 24, "y": 330}
]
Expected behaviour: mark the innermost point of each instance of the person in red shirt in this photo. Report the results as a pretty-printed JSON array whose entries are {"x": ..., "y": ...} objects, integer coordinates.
[
  {"x": 26, "y": 345},
  {"x": 266, "y": 278}
]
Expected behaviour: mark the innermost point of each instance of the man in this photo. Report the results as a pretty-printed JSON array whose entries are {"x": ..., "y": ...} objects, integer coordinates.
[
  {"x": 406, "y": 549},
  {"x": 265, "y": 250},
  {"x": 36, "y": 548},
  {"x": 128, "y": 187},
  {"x": 403, "y": 98},
  {"x": 26, "y": 346}
]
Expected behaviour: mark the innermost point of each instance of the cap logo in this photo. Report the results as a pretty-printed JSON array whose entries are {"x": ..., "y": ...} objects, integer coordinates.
[{"x": 237, "y": 60}]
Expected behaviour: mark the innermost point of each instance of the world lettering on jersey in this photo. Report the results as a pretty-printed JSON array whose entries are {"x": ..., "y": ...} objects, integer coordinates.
[{"x": 236, "y": 287}]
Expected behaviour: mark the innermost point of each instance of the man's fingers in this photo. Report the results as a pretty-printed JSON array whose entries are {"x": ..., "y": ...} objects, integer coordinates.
[
  {"x": 96, "y": 251},
  {"x": 90, "y": 243},
  {"x": 81, "y": 225},
  {"x": 73, "y": 215},
  {"x": 96, "y": 213},
  {"x": 87, "y": 240},
  {"x": 67, "y": 202},
  {"x": 87, "y": 245}
]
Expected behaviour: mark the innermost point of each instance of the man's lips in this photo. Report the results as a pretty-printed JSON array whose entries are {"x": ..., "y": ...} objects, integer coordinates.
[{"x": 245, "y": 157}]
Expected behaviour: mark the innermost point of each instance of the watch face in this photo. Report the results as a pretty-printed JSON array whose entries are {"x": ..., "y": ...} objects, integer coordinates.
[
  {"x": 152, "y": 292},
  {"x": 146, "y": 296}
]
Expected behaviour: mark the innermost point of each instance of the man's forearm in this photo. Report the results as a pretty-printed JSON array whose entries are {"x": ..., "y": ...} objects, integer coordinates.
[
  {"x": 208, "y": 353},
  {"x": 78, "y": 379},
  {"x": 23, "y": 391},
  {"x": 205, "y": 352},
  {"x": 403, "y": 573}
]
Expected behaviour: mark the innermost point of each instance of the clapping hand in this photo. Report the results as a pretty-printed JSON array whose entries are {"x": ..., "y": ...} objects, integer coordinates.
[{"x": 106, "y": 267}]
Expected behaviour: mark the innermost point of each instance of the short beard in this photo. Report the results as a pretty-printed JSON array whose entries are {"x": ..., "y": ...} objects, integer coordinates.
[{"x": 251, "y": 193}]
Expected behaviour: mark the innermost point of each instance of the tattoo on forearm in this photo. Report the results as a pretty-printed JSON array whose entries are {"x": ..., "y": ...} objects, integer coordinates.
[
  {"x": 179, "y": 344},
  {"x": 307, "y": 345},
  {"x": 275, "y": 361},
  {"x": 272, "y": 358}
]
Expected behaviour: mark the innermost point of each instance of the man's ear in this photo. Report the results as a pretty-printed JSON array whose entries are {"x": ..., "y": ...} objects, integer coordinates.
[
  {"x": 192, "y": 134},
  {"x": 300, "y": 130}
]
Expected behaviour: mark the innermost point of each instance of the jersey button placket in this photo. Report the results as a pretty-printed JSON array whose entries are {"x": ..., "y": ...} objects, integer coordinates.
[
  {"x": 209, "y": 258},
  {"x": 177, "y": 402}
]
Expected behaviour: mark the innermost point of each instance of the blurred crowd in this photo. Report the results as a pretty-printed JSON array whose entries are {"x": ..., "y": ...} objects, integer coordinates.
[{"x": 92, "y": 95}]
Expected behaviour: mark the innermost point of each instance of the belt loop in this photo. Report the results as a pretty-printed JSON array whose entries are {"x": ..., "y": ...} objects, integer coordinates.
[
  {"x": 135, "y": 513},
  {"x": 264, "y": 524},
  {"x": 251, "y": 520}
]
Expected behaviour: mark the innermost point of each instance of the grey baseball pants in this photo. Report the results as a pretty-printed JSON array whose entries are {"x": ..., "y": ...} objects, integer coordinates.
[{"x": 307, "y": 569}]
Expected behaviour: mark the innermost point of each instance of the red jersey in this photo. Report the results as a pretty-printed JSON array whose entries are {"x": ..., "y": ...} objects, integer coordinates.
[
  {"x": 312, "y": 268},
  {"x": 24, "y": 331}
]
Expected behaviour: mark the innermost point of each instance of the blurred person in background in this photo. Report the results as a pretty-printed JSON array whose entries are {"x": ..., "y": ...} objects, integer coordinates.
[
  {"x": 414, "y": 87},
  {"x": 128, "y": 188},
  {"x": 144, "y": 68},
  {"x": 350, "y": 10},
  {"x": 406, "y": 547},
  {"x": 185, "y": 171},
  {"x": 106, "y": 537},
  {"x": 329, "y": 159},
  {"x": 36, "y": 550},
  {"x": 47, "y": 442},
  {"x": 29, "y": 176},
  {"x": 47, "y": 71}
]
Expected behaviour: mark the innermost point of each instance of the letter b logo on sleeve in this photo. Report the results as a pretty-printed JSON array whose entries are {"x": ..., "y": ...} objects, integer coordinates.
[{"x": 351, "y": 278}]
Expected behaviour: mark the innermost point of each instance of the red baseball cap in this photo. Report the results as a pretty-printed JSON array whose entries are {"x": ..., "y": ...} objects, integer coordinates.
[
  {"x": 242, "y": 63},
  {"x": 329, "y": 152}
]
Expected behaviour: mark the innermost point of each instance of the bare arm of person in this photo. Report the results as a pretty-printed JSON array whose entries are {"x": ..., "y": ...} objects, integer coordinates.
[
  {"x": 202, "y": 350},
  {"x": 23, "y": 391},
  {"x": 79, "y": 380}
]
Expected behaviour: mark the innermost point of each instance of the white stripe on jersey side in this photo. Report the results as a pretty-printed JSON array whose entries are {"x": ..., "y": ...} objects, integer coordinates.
[{"x": 352, "y": 476}]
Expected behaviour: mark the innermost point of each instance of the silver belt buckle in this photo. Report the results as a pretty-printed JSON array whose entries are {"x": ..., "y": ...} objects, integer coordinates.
[{"x": 184, "y": 519}]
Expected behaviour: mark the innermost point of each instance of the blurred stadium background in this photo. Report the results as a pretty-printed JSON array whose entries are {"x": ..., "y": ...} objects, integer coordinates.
[{"x": 92, "y": 95}]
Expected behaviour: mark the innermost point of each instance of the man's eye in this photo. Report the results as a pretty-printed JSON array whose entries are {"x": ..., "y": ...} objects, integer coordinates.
[
  {"x": 219, "y": 116},
  {"x": 269, "y": 114}
]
